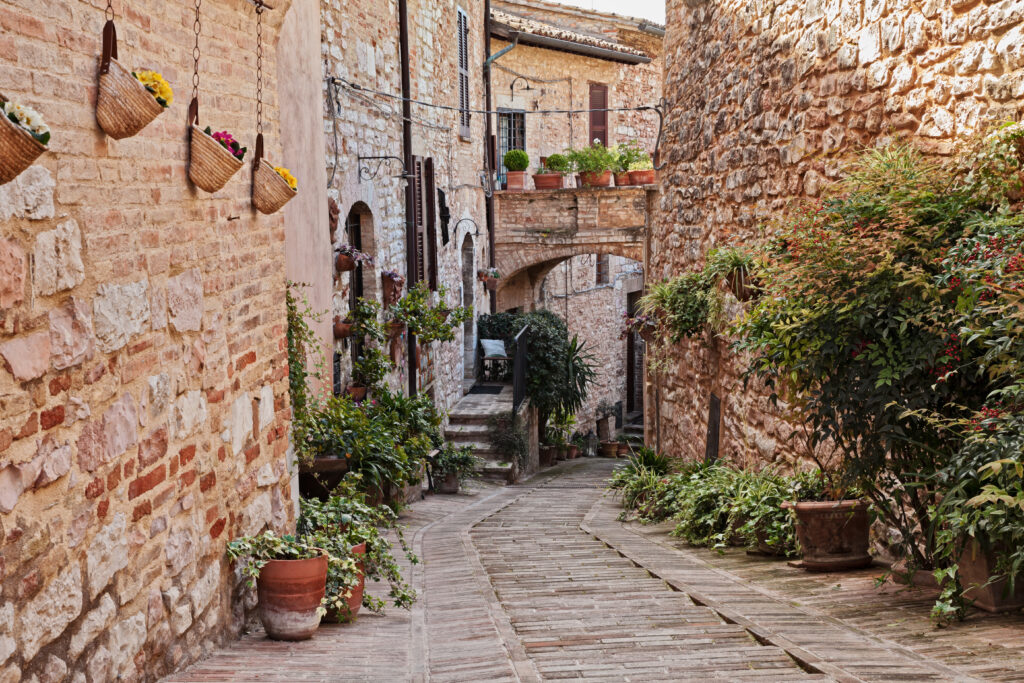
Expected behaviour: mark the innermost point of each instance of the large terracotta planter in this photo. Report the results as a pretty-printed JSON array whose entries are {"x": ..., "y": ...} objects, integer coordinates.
[
  {"x": 646, "y": 177},
  {"x": 289, "y": 593},
  {"x": 547, "y": 181},
  {"x": 609, "y": 449},
  {"x": 623, "y": 449},
  {"x": 976, "y": 568},
  {"x": 448, "y": 485},
  {"x": 833, "y": 534},
  {"x": 547, "y": 456},
  {"x": 355, "y": 600},
  {"x": 596, "y": 179},
  {"x": 572, "y": 452},
  {"x": 622, "y": 179},
  {"x": 515, "y": 181},
  {"x": 356, "y": 393}
]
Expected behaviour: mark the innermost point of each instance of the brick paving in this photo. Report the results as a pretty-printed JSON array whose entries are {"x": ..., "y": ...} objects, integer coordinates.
[{"x": 540, "y": 582}]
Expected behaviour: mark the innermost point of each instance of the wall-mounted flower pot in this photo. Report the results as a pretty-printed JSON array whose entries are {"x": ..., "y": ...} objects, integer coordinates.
[
  {"x": 395, "y": 329},
  {"x": 391, "y": 288},
  {"x": 123, "y": 105},
  {"x": 18, "y": 149},
  {"x": 645, "y": 177},
  {"x": 547, "y": 181},
  {"x": 622, "y": 179},
  {"x": 515, "y": 181},
  {"x": 741, "y": 285},
  {"x": 270, "y": 191},
  {"x": 344, "y": 263},
  {"x": 210, "y": 165},
  {"x": 448, "y": 485},
  {"x": 977, "y": 567},
  {"x": 833, "y": 534},
  {"x": 491, "y": 283},
  {"x": 609, "y": 449},
  {"x": 603, "y": 179},
  {"x": 357, "y": 394},
  {"x": 342, "y": 328},
  {"x": 547, "y": 455},
  {"x": 289, "y": 593}
]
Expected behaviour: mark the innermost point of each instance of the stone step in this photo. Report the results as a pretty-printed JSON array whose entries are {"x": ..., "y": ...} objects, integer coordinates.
[
  {"x": 462, "y": 432},
  {"x": 497, "y": 471},
  {"x": 468, "y": 419}
]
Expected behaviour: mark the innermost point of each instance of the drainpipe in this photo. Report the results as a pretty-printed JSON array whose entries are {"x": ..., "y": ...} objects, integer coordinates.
[
  {"x": 410, "y": 204},
  {"x": 488, "y": 162}
]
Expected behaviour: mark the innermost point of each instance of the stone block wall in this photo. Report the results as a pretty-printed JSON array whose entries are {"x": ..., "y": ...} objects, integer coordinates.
[
  {"x": 764, "y": 100},
  {"x": 144, "y": 415}
]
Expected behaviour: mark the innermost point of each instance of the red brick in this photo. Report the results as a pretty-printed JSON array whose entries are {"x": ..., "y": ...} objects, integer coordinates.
[
  {"x": 141, "y": 510},
  {"x": 186, "y": 454},
  {"x": 212, "y": 513},
  {"x": 101, "y": 509},
  {"x": 217, "y": 528},
  {"x": 172, "y": 467},
  {"x": 114, "y": 478},
  {"x": 153, "y": 448},
  {"x": 95, "y": 488},
  {"x": 30, "y": 427},
  {"x": 187, "y": 478},
  {"x": 252, "y": 453},
  {"x": 59, "y": 384},
  {"x": 207, "y": 481},
  {"x": 222, "y": 454},
  {"x": 52, "y": 417},
  {"x": 129, "y": 468},
  {"x": 215, "y": 396},
  {"x": 146, "y": 482},
  {"x": 6, "y": 439},
  {"x": 247, "y": 359}
]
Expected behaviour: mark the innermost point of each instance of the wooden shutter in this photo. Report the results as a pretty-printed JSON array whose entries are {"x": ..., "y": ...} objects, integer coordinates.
[
  {"x": 417, "y": 219},
  {"x": 598, "y": 119},
  {"x": 463, "y": 29},
  {"x": 602, "y": 274},
  {"x": 431, "y": 233}
]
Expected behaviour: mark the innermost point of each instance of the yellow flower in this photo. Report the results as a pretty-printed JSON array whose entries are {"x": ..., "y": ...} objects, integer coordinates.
[
  {"x": 288, "y": 177},
  {"x": 156, "y": 85}
]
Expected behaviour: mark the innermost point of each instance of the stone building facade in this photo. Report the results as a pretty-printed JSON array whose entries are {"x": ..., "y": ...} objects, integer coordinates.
[
  {"x": 144, "y": 391},
  {"x": 764, "y": 99},
  {"x": 360, "y": 47}
]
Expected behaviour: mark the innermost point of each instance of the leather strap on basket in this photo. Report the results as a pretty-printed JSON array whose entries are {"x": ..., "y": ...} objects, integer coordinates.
[
  {"x": 109, "y": 46},
  {"x": 259, "y": 150},
  {"x": 193, "y": 112}
]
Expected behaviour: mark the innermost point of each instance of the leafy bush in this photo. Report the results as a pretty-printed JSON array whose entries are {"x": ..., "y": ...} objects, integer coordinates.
[
  {"x": 256, "y": 551},
  {"x": 507, "y": 436},
  {"x": 371, "y": 367},
  {"x": 557, "y": 163},
  {"x": 629, "y": 156},
  {"x": 429, "y": 323},
  {"x": 516, "y": 160},
  {"x": 593, "y": 159},
  {"x": 455, "y": 460}
]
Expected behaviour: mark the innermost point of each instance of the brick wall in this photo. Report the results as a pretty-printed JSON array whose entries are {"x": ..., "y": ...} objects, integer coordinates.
[
  {"x": 764, "y": 99},
  {"x": 144, "y": 400}
]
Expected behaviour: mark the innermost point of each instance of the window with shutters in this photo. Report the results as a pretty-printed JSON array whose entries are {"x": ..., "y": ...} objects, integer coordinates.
[
  {"x": 599, "y": 119},
  {"x": 463, "y": 29},
  {"x": 424, "y": 221},
  {"x": 511, "y": 135},
  {"x": 602, "y": 275}
]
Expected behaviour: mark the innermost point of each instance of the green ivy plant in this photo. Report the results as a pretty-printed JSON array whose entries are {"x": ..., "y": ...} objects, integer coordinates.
[
  {"x": 371, "y": 367},
  {"x": 256, "y": 551},
  {"x": 456, "y": 460},
  {"x": 429, "y": 323}
]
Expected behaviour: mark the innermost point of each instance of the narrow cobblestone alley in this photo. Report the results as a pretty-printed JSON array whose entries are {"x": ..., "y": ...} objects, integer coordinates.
[{"x": 541, "y": 582}]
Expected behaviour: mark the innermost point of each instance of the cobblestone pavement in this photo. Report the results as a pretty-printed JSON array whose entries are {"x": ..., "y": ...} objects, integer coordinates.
[{"x": 540, "y": 582}]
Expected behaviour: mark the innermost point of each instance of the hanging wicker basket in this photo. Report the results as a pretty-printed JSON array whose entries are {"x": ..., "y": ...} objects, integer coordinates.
[
  {"x": 18, "y": 149},
  {"x": 210, "y": 165},
  {"x": 270, "y": 192},
  {"x": 124, "y": 106}
]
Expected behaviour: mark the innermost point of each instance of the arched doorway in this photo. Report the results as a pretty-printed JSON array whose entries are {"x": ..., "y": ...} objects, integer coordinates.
[{"x": 468, "y": 285}]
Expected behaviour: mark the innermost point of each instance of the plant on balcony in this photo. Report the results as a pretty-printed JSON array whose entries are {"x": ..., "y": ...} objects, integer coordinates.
[
  {"x": 490, "y": 277},
  {"x": 516, "y": 162},
  {"x": 365, "y": 323},
  {"x": 550, "y": 172},
  {"x": 626, "y": 154},
  {"x": 370, "y": 369},
  {"x": 593, "y": 163}
]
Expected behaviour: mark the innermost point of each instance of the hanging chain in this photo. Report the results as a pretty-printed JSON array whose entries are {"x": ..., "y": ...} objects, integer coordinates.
[
  {"x": 259, "y": 68},
  {"x": 109, "y": 13},
  {"x": 197, "y": 27}
]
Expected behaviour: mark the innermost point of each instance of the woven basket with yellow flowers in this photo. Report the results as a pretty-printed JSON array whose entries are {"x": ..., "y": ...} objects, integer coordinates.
[{"x": 128, "y": 101}]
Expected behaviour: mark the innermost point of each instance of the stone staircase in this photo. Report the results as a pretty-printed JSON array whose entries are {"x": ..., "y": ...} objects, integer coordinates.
[{"x": 468, "y": 426}]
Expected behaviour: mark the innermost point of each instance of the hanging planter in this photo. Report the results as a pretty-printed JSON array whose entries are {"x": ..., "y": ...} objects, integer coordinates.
[
  {"x": 391, "y": 284},
  {"x": 349, "y": 257},
  {"x": 342, "y": 328},
  {"x": 127, "y": 101},
  {"x": 490, "y": 277},
  {"x": 357, "y": 394},
  {"x": 396, "y": 329},
  {"x": 23, "y": 137}
]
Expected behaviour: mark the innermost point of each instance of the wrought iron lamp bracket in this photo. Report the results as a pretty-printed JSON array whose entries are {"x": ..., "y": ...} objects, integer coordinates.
[{"x": 370, "y": 167}]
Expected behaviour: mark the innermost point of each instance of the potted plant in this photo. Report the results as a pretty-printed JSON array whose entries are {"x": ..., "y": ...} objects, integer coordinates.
[
  {"x": 623, "y": 446},
  {"x": 370, "y": 369},
  {"x": 215, "y": 157},
  {"x": 594, "y": 164},
  {"x": 516, "y": 162},
  {"x": 547, "y": 455},
  {"x": 641, "y": 170},
  {"x": 366, "y": 326},
  {"x": 23, "y": 137},
  {"x": 452, "y": 466},
  {"x": 428, "y": 322},
  {"x": 290, "y": 578},
  {"x": 551, "y": 172},
  {"x": 490, "y": 277},
  {"x": 391, "y": 286},
  {"x": 643, "y": 325},
  {"x": 626, "y": 155},
  {"x": 735, "y": 264},
  {"x": 576, "y": 445},
  {"x": 342, "y": 327},
  {"x": 348, "y": 257},
  {"x": 610, "y": 449}
]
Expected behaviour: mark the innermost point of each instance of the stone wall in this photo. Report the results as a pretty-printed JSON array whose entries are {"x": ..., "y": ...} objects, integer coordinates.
[
  {"x": 764, "y": 100},
  {"x": 360, "y": 44},
  {"x": 144, "y": 394}
]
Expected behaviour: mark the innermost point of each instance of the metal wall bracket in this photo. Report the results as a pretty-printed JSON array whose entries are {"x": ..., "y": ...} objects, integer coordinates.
[{"x": 368, "y": 169}]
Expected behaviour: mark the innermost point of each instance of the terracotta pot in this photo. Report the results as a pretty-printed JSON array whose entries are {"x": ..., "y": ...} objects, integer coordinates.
[
  {"x": 444, "y": 312},
  {"x": 833, "y": 534},
  {"x": 547, "y": 454},
  {"x": 622, "y": 179},
  {"x": 609, "y": 449},
  {"x": 395, "y": 329},
  {"x": 572, "y": 452},
  {"x": 645, "y": 177},
  {"x": 491, "y": 283},
  {"x": 647, "y": 333},
  {"x": 515, "y": 181},
  {"x": 596, "y": 179},
  {"x": 391, "y": 289},
  {"x": 344, "y": 263},
  {"x": 342, "y": 328},
  {"x": 355, "y": 601},
  {"x": 449, "y": 485},
  {"x": 547, "y": 181},
  {"x": 976, "y": 567},
  {"x": 289, "y": 593},
  {"x": 356, "y": 393},
  {"x": 623, "y": 449},
  {"x": 560, "y": 453},
  {"x": 604, "y": 429}
]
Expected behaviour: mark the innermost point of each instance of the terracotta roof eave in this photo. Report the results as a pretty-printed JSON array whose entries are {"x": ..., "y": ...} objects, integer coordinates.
[{"x": 504, "y": 32}]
